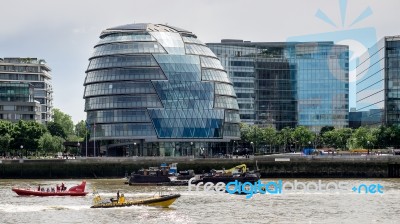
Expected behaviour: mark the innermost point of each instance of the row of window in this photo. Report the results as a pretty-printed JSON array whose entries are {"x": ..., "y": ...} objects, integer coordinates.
[
  {"x": 15, "y": 68},
  {"x": 232, "y": 116},
  {"x": 180, "y": 67},
  {"x": 224, "y": 89},
  {"x": 111, "y": 102},
  {"x": 121, "y": 37},
  {"x": 226, "y": 102},
  {"x": 128, "y": 48},
  {"x": 127, "y": 74},
  {"x": 122, "y": 61},
  {"x": 124, "y": 130},
  {"x": 187, "y": 132},
  {"x": 187, "y": 114},
  {"x": 232, "y": 130},
  {"x": 214, "y": 75},
  {"x": 207, "y": 62},
  {"x": 109, "y": 116},
  {"x": 172, "y": 42},
  {"x": 198, "y": 50},
  {"x": 21, "y": 77},
  {"x": 119, "y": 88},
  {"x": 192, "y": 40}
]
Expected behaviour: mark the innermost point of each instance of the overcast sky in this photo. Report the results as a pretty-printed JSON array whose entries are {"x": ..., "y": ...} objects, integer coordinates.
[{"x": 64, "y": 32}]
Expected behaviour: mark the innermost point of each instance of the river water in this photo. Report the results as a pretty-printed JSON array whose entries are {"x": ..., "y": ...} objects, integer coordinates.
[{"x": 206, "y": 207}]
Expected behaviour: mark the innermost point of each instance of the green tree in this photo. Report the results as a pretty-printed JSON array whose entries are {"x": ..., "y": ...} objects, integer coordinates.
[
  {"x": 56, "y": 129},
  {"x": 51, "y": 144},
  {"x": 303, "y": 136},
  {"x": 285, "y": 137},
  {"x": 269, "y": 136},
  {"x": 64, "y": 120},
  {"x": 81, "y": 130},
  {"x": 27, "y": 134},
  {"x": 5, "y": 141}
]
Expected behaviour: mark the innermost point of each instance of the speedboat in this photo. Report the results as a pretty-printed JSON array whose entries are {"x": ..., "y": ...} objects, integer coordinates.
[
  {"x": 78, "y": 190},
  {"x": 163, "y": 201}
]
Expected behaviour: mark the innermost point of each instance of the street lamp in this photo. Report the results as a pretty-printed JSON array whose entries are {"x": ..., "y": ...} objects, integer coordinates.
[
  {"x": 368, "y": 147},
  {"x": 135, "y": 148},
  {"x": 22, "y": 147},
  {"x": 252, "y": 144},
  {"x": 191, "y": 148},
  {"x": 79, "y": 148}
]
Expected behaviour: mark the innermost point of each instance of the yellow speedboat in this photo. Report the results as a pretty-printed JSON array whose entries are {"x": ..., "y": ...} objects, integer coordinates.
[{"x": 159, "y": 201}]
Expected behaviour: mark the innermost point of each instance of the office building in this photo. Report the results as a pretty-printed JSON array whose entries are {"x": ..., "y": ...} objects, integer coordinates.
[
  {"x": 153, "y": 89},
  {"x": 378, "y": 83},
  {"x": 19, "y": 76},
  {"x": 288, "y": 84}
]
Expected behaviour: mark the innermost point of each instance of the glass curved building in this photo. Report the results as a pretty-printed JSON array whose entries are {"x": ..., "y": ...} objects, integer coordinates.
[{"x": 153, "y": 89}]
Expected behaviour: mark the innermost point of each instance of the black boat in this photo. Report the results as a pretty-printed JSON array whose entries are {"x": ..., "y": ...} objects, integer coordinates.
[
  {"x": 239, "y": 173},
  {"x": 163, "y": 175}
]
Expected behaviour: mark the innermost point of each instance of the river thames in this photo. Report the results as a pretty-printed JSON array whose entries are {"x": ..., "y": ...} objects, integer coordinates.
[{"x": 205, "y": 207}]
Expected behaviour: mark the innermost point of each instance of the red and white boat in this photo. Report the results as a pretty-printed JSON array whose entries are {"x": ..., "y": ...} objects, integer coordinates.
[{"x": 78, "y": 190}]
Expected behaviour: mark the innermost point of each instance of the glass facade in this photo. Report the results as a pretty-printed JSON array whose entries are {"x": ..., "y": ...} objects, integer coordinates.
[
  {"x": 288, "y": 84},
  {"x": 157, "y": 87},
  {"x": 17, "y": 102},
  {"x": 378, "y": 83},
  {"x": 34, "y": 72}
]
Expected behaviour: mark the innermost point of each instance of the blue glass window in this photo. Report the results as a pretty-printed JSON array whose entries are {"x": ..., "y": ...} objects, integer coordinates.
[
  {"x": 121, "y": 61},
  {"x": 215, "y": 75},
  {"x": 180, "y": 67},
  {"x": 107, "y": 116},
  {"x": 125, "y": 74},
  {"x": 111, "y": 88},
  {"x": 172, "y": 42},
  {"x": 226, "y": 102},
  {"x": 207, "y": 62},
  {"x": 111, "y": 102},
  {"x": 128, "y": 48},
  {"x": 198, "y": 50},
  {"x": 224, "y": 89}
]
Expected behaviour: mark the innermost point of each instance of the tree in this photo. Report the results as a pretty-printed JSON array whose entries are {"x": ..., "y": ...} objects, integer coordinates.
[
  {"x": 56, "y": 129},
  {"x": 269, "y": 136},
  {"x": 81, "y": 129},
  {"x": 64, "y": 120},
  {"x": 51, "y": 144},
  {"x": 5, "y": 141},
  {"x": 285, "y": 137},
  {"x": 27, "y": 134},
  {"x": 303, "y": 136}
]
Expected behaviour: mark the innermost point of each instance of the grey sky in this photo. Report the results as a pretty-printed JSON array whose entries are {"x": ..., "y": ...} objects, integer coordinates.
[{"x": 64, "y": 32}]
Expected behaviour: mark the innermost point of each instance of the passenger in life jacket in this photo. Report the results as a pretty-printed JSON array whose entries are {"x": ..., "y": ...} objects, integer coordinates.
[{"x": 121, "y": 199}]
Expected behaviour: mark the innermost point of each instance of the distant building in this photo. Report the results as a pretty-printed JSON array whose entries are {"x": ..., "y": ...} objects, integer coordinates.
[
  {"x": 155, "y": 89},
  {"x": 25, "y": 80},
  {"x": 17, "y": 102},
  {"x": 378, "y": 83},
  {"x": 286, "y": 84}
]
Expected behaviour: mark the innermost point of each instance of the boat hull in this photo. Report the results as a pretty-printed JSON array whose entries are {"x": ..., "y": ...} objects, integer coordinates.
[
  {"x": 159, "y": 201},
  {"x": 78, "y": 190},
  {"x": 30, "y": 192}
]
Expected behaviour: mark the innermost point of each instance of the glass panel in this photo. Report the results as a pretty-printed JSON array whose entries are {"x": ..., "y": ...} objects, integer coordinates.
[
  {"x": 207, "y": 62},
  {"x": 128, "y": 74},
  {"x": 226, "y": 102},
  {"x": 124, "y": 130},
  {"x": 108, "y": 116},
  {"x": 122, "y": 61},
  {"x": 128, "y": 48},
  {"x": 111, "y": 102},
  {"x": 198, "y": 50},
  {"x": 180, "y": 67},
  {"x": 111, "y": 88},
  {"x": 120, "y": 37},
  {"x": 215, "y": 75},
  {"x": 224, "y": 89},
  {"x": 172, "y": 42}
]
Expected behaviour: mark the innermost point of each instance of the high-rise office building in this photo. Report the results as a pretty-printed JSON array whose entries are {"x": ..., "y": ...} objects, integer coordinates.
[
  {"x": 17, "y": 102},
  {"x": 153, "y": 89},
  {"x": 30, "y": 80},
  {"x": 290, "y": 83},
  {"x": 378, "y": 83}
]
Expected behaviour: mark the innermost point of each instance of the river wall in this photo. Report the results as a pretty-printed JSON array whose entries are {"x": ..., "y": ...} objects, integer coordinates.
[{"x": 270, "y": 167}]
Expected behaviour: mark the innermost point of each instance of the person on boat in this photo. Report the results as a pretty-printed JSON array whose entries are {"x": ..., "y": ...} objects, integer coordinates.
[
  {"x": 38, "y": 188},
  {"x": 62, "y": 187},
  {"x": 121, "y": 199},
  {"x": 58, "y": 187},
  {"x": 118, "y": 196}
]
